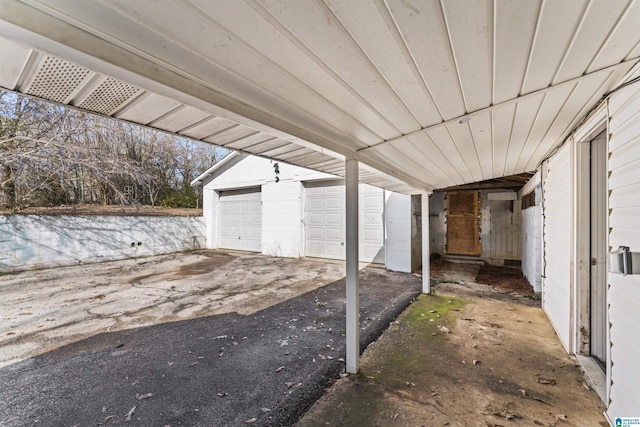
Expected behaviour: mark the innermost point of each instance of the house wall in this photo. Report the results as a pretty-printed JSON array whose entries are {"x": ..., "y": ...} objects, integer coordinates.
[
  {"x": 40, "y": 241},
  {"x": 283, "y": 208},
  {"x": 501, "y": 229},
  {"x": 623, "y": 297},
  {"x": 532, "y": 234},
  {"x": 437, "y": 220},
  {"x": 398, "y": 231},
  {"x": 557, "y": 210}
]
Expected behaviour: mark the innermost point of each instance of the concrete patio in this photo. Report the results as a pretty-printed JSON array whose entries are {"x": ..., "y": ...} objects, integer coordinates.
[{"x": 207, "y": 338}]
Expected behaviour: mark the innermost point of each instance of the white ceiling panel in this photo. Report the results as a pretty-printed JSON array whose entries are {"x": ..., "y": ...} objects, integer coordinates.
[
  {"x": 557, "y": 25},
  {"x": 525, "y": 115},
  {"x": 147, "y": 108},
  {"x": 180, "y": 119},
  {"x": 447, "y": 146},
  {"x": 481, "y": 130},
  {"x": 386, "y": 49},
  {"x": 321, "y": 32},
  {"x": 470, "y": 27},
  {"x": 594, "y": 29},
  {"x": 207, "y": 127},
  {"x": 428, "y": 93},
  {"x": 424, "y": 30},
  {"x": 14, "y": 60},
  {"x": 515, "y": 24},
  {"x": 622, "y": 39}
]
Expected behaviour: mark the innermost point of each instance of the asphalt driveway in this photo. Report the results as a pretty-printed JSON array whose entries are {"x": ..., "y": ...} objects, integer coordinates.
[{"x": 200, "y": 339}]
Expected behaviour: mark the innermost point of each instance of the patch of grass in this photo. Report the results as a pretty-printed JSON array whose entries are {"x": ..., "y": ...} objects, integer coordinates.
[{"x": 532, "y": 297}]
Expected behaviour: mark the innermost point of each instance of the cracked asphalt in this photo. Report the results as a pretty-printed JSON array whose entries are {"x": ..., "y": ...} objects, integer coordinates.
[{"x": 198, "y": 339}]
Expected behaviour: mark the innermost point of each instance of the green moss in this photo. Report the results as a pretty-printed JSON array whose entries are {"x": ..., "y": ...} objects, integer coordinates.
[{"x": 419, "y": 322}]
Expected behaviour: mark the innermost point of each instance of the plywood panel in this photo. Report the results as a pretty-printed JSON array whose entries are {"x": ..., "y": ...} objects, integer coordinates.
[{"x": 463, "y": 232}]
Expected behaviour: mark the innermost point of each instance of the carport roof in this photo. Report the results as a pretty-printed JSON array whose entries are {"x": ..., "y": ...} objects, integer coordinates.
[{"x": 425, "y": 94}]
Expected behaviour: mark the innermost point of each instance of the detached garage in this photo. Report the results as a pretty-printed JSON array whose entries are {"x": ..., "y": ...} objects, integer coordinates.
[{"x": 254, "y": 204}]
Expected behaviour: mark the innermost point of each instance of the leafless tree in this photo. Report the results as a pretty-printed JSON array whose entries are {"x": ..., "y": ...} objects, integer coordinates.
[{"x": 52, "y": 155}]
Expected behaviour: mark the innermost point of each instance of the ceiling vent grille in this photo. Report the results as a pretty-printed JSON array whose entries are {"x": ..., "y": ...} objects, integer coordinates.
[
  {"x": 110, "y": 96},
  {"x": 56, "y": 79}
]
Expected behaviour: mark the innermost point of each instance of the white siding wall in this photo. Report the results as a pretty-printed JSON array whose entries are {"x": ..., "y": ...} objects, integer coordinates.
[
  {"x": 281, "y": 218},
  {"x": 282, "y": 208},
  {"x": 531, "y": 244},
  {"x": 437, "y": 217},
  {"x": 624, "y": 223},
  {"x": 40, "y": 241},
  {"x": 556, "y": 285},
  {"x": 398, "y": 230},
  {"x": 501, "y": 229}
]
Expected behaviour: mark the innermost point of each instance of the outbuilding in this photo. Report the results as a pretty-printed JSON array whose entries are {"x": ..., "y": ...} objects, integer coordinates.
[{"x": 259, "y": 205}]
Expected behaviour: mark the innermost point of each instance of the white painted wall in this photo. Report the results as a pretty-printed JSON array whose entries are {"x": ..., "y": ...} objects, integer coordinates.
[
  {"x": 39, "y": 241},
  {"x": 531, "y": 246},
  {"x": 398, "y": 229},
  {"x": 501, "y": 229},
  {"x": 532, "y": 234},
  {"x": 283, "y": 208},
  {"x": 623, "y": 296},
  {"x": 556, "y": 283},
  {"x": 437, "y": 219}
]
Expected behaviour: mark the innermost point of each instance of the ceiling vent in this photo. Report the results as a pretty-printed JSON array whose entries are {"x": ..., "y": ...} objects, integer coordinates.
[
  {"x": 56, "y": 79},
  {"x": 110, "y": 96}
]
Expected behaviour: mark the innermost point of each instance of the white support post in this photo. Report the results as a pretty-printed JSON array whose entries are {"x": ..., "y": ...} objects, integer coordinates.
[
  {"x": 426, "y": 271},
  {"x": 353, "y": 299}
]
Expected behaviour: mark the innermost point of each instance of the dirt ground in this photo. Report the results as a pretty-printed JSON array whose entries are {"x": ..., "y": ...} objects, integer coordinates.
[{"x": 468, "y": 355}]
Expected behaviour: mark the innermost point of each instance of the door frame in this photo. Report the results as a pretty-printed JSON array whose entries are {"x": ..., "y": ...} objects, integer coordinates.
[{"x": 581, "y": 249}]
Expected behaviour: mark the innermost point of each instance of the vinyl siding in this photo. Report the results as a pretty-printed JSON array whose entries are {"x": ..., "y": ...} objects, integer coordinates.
[
  {"x": 624, "y": 230},
  {"x": 556, "y": 282}
]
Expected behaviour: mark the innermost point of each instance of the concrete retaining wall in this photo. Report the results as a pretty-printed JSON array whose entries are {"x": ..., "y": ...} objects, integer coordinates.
[{"x": 39, "y": 241}]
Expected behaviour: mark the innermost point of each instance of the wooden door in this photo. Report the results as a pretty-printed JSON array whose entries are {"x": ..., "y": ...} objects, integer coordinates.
[{"x": 463, "y": 223}]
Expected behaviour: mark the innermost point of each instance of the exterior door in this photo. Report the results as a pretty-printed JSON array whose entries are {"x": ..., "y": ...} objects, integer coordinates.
[
  {"x": 463, "y": 223},
  {"x": 598, "y": 291}
]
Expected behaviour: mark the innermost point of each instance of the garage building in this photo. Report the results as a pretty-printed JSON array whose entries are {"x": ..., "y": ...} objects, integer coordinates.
[{"x": 259, "y": 205}]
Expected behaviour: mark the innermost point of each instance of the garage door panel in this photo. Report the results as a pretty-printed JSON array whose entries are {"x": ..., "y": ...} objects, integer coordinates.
[
  {"x": 334, "y": 234},
  {"x": 325, "y": 222},
  {"x": 241, "y": 220}
]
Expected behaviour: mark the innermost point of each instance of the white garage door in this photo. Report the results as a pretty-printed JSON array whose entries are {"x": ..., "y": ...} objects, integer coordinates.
[
  {"x": 241, "y": 220},
  {"x": 325, "y": 221}
]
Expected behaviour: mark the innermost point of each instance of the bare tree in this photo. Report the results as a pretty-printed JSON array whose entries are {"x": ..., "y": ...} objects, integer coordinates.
[{"x": 52, "y": 155}]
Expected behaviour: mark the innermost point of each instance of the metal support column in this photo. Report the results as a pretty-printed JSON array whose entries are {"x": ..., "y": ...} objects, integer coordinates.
[
  {"x": 353, "y": 299},
  {"x": 426, "y": 272}
]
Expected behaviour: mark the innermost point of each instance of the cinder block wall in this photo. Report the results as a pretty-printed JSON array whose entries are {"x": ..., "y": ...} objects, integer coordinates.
[{"x": 39, "y": 241}]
